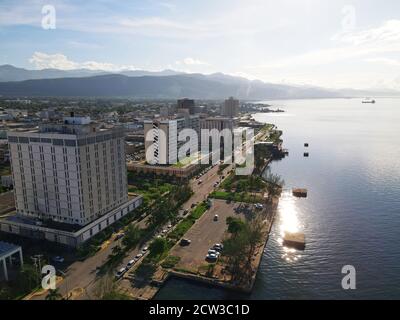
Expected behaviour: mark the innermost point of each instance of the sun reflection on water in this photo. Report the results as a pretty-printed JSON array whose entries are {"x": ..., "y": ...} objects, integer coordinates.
[{"x": 288, "y": 222}]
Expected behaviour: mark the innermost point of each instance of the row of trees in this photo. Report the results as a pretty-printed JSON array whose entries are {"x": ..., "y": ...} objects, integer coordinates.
[{"x": 240, "y": 247}]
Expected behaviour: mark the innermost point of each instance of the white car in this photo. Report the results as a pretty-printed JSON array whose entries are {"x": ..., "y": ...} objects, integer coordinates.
[
  {"x": 211, "y": 257},
  {"x": 138, "y": 256},
  {"x": 131, "y": 263},
  {"x": 120, "y": 273},
  {"x": 145, "y": 249},
  {"x": 218, "y": 247},
  {"x": 212, "y": 251}
]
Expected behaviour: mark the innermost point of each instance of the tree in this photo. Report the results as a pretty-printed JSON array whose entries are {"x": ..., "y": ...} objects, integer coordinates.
[
  {"x": 240, "y": 247},
  {"x": 53, "y": 295},
  {"x": 132, "y": 236},
  {"x": 274, "y": 185},
  {"x": 106, "y": 289},
  {"x": 235, "y": 225},
  {"x": 158, "y": 247}
]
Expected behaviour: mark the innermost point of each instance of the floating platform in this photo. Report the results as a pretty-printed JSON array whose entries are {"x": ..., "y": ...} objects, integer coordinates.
[
  {"x": 300, "y": 193},
  {"x": 295, "y": 240}
]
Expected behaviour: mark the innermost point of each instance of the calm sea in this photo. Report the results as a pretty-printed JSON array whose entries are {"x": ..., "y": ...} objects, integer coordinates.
[{"x": 351, "y": 215}]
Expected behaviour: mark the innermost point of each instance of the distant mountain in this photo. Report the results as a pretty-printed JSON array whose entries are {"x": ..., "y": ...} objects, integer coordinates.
[
  {"x": 11, "y": 73},
  {"x": 162, "y": 87},
  {"x": 167, "y": 84}
]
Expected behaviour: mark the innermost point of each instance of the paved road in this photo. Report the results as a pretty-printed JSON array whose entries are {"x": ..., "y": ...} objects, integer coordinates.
[{"x": 81, "y": 276}]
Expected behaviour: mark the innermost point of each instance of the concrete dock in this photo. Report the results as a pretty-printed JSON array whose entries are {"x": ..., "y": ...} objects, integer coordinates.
[{"x": 294, "y": 240}]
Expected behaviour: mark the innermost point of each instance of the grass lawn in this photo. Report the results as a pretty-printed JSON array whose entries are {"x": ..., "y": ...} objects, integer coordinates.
[
  {"x": 186, "y": 223},
  {"x": 235, "y": 196}
]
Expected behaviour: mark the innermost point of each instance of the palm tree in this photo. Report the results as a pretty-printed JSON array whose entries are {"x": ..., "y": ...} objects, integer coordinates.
[{"x": 53, "y": 295}]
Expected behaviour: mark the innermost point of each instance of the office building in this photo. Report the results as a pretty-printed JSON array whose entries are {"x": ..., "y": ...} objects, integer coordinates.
[{"x": 230, "y": 108}]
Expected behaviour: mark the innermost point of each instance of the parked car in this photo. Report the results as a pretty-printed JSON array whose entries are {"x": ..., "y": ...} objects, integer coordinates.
[
  {"x": 185, "y": 242},
  {"x": 130, "y": 263},
  {"x": 119, "y": 236},
  {"x": 186, "y": 211},
  {"x": 216, "y": 217},
  {"x": 145, "y": 249},
  {"x": 120, "y": 273},
  {"x": 58, "y": 259},
  {"x": 138, "y": 256},
  {"x": 213, "y": 251},
  {"x": 211, "y": 257},
  {"x": 218, "y": 247},
  {"x": 193, "y": 205}
]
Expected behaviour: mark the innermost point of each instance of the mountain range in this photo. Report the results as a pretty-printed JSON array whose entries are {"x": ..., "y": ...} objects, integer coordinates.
[{"x": 167, "y": 84}]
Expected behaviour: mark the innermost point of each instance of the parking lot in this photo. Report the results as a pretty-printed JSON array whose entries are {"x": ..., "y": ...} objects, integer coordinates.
[{"x": 204, "y": 234}]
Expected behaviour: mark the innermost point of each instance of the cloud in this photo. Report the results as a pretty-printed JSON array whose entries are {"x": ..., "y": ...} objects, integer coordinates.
[
  {"x": 349, "y": 45},
  {"x": 60, "y": 61},
  {"x": 192, "y": 62},
  {"x": 386, "y": 61}
]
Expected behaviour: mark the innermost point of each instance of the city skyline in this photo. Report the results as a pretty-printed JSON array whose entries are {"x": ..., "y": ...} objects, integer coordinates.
[{"x": 352, "y": 44}]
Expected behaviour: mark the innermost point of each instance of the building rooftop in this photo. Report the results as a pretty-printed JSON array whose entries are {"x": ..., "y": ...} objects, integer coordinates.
[{"x": 6, "y": 248}]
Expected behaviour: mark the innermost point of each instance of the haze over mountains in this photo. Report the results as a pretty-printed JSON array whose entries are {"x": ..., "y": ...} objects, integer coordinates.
[{"x": 167, "y": 84}]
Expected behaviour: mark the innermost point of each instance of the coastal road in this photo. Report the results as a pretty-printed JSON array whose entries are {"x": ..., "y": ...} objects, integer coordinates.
[{"x": 81, "y": 275}]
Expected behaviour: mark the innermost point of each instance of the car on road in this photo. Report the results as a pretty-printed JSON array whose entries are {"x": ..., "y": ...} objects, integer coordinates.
[
  {"x": 58, "y": 259},
  {"x": 185, "y": 242},
  {"x": 200, "y": 182},
  {"x": 119, "y": 236},
  {"x": 120, "y": 273},
  {"x": 169, "y": 226},
  {"x": 216, "y": 217},
  {"x": 193, "y": 205},
  {"x": 130, "y": 263}
]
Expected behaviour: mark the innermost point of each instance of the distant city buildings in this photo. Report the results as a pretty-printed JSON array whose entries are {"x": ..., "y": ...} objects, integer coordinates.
[
  {"x": 230, "y": 108},
  {"x": 187, "y": 104}
]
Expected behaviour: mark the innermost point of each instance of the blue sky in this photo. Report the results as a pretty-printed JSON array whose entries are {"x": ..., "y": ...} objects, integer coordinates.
[{"x": 337, "y": 44}]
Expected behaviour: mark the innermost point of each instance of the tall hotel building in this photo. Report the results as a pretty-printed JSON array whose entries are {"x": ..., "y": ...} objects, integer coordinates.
[{"x": 69, "y": 173}]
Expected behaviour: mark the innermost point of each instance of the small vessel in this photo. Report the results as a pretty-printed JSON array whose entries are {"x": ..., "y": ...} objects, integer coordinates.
[{"x": 368, "y": 100}]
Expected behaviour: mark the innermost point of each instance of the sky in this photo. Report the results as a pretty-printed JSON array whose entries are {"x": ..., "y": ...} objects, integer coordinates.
[{"x": 333, "y": 44}]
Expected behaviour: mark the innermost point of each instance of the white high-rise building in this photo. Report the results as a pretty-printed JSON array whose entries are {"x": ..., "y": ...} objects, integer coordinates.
[
  {"x": 72, "y": 172},
  {"x": 162, "y": 138}
]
